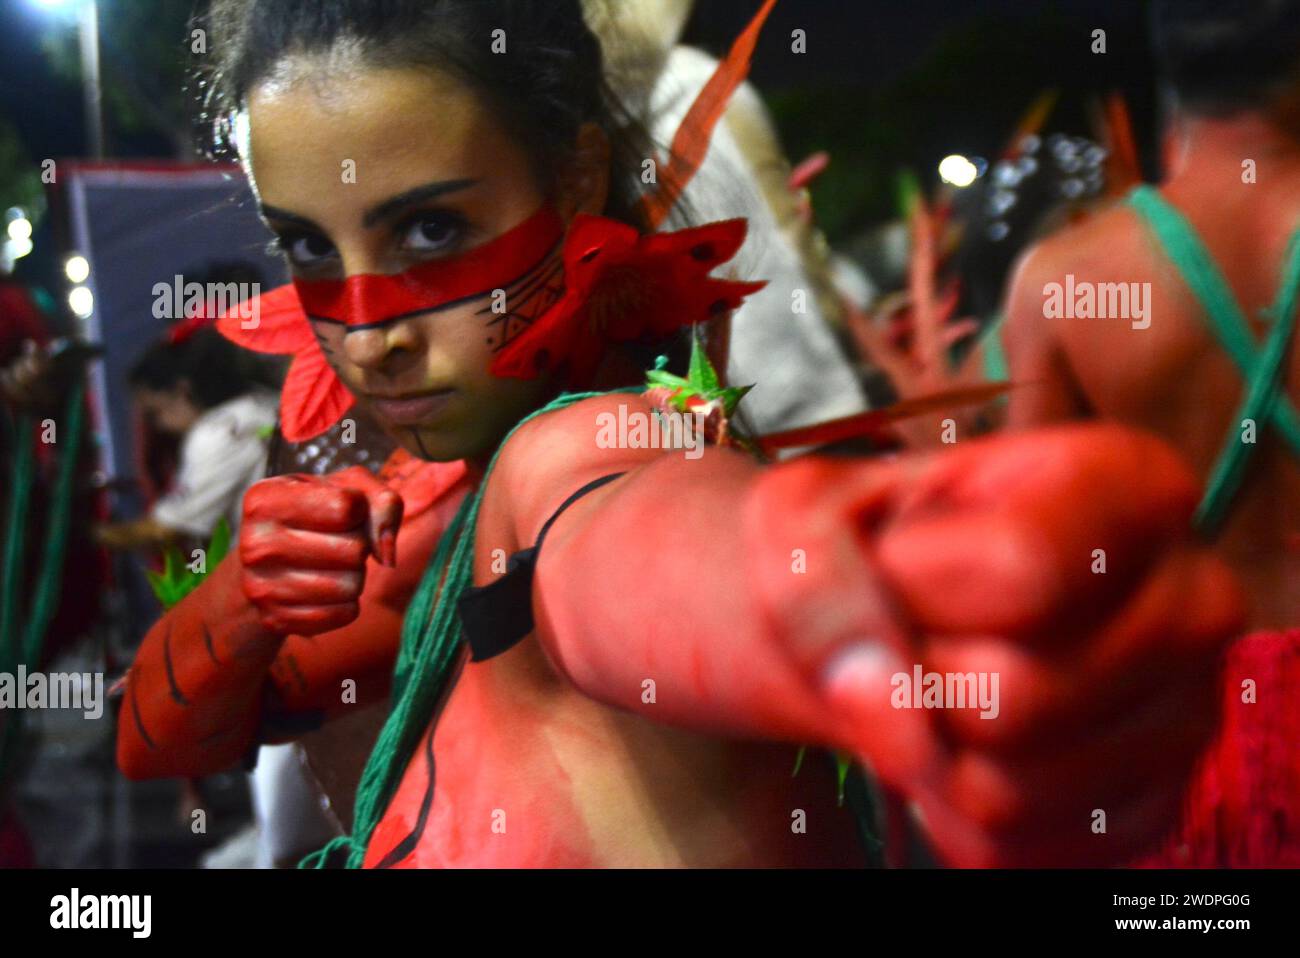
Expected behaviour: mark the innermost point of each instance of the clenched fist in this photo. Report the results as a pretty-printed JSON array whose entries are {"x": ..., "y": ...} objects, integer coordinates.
[
  {"x": 304, "y": 543},
  {"x": 1052, "y": 571}
]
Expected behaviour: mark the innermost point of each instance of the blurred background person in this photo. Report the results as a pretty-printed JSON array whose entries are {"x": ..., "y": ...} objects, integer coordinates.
[
  {"x": 215, "y": 399},
  {"x": 1209, "y": 364}
]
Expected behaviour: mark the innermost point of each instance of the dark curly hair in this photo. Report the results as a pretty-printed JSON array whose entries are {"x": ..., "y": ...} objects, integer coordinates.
[{"x": 549, "y": 81}]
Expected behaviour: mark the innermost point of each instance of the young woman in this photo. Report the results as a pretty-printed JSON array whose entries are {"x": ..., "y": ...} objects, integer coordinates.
[{"x": 631, "y": 674}]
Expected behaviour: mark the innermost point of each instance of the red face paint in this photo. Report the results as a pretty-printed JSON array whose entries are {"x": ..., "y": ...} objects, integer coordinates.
[{"x": 372, "y": 299}]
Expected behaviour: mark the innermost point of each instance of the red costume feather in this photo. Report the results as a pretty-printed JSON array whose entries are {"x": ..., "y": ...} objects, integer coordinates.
[
  {"x": 622, "y": 286},
  {"x": 691, "y": 142},
  {"x": 312, "y": 398}
]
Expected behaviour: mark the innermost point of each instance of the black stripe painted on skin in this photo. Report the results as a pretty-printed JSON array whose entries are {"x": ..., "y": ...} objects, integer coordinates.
[
  {"x": 408, "y": 844},
  {"x": 207, "y": 642},
  {"x": 177, "y": 694},
  {"x": 411, "y": 841},
  {"x": 139, "y": 723}
]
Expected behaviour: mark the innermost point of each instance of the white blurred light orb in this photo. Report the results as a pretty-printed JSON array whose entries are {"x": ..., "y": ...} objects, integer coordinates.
[
  {"x": 958, "y": 170},
  {"x": 81, "y": 301},
  {"x": 76, "y": 269},
  {"x": 20, "y": 229}
]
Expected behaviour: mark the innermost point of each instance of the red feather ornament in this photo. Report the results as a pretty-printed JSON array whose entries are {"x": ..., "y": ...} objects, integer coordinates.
[
  {"x": 621, "y": 286},
  {"x": 312, "y": 398}
]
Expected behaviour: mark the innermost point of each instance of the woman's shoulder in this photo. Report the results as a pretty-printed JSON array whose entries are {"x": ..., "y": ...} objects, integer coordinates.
[
  {"x": 555, "y": 453},
  {"x": 575, "y": 427}
]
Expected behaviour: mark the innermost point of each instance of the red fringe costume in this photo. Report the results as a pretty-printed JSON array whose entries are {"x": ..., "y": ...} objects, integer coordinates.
[{"x": 1243, "y": 807}]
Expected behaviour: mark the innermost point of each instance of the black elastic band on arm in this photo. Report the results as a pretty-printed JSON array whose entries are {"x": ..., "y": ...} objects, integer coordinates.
[{"x": 497, "y": 616}]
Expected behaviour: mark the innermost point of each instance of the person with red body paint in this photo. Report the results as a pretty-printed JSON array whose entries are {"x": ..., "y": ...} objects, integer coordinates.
[
  {"x": 689, "y": 620},
  {"x": 1218, "y": 249}
]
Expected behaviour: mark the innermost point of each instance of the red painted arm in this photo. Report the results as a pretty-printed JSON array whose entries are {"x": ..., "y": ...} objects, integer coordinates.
[
  {"x": 784, "y": 602},
  {"x": 216, "y": 667},
  {"x": 193, "y": 697}
]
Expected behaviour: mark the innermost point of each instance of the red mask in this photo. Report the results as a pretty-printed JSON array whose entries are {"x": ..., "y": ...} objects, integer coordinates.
[{"x": 508, "y": 262}]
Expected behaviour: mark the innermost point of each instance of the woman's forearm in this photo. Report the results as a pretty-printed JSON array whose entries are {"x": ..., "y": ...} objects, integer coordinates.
[
  {"x": 645, "y": 600},
  {"x": 210, "y": 678},
  {"x": 193, "y": 696}
]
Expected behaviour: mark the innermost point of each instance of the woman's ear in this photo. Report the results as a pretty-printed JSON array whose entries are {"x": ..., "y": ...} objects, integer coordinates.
[{"x": 584, "y": 185}]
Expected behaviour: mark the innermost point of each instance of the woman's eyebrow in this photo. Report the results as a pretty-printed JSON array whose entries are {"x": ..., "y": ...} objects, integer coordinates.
[
  {"x": 275, "y": 213},
  {"x": 392, "y": 207}
]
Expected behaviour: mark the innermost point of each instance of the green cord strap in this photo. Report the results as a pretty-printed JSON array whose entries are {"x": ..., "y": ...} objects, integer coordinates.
[
  {"x": 56, "y": 528},
  {"x": 49, "y": 577},
  {"x": 996, "y": 367},
  {"x": 1264, "y": 402},
  {"x": 20, "y": 491},
  {"x": 431, "y": 640}
]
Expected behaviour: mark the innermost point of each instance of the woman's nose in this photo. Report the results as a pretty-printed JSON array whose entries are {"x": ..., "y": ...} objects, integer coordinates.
[{"x": 382, "y": 348}]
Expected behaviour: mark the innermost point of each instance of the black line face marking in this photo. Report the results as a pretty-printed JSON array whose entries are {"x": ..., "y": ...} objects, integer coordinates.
[
  {"x": 528, "y": 303},
  {"x": 424, "y": 453},
  {"x": 526, "y": 280},
  {"x": 177, "y": 694}
]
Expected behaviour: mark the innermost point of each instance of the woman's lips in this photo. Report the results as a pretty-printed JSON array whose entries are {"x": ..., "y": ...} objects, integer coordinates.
[{"x": 412, "y": 410}]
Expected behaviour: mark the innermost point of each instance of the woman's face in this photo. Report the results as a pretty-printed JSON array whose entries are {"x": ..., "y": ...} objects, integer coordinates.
[
  {"x": 374, "y": 171},
  {"x": 170, "y": 411}
]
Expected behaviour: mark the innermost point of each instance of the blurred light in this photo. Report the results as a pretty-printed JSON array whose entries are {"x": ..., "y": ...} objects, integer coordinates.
[
  {"x": 20, "y": 229},
  {"x": 958, "y": 171},
  {"x": 54, "y": 4},
  {"x": 76, "y": 269},
  {"x": 82, "y": 301},
  {"x": 18, "y": 248}
]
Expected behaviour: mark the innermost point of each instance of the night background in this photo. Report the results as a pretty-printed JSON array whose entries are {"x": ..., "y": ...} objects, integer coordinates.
[{"x": 883, "y": 86}]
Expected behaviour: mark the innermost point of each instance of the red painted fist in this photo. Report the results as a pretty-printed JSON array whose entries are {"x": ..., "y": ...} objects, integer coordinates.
[
  {"x": 304, "y": 543},
  {"x": 1057, "y": 564}
]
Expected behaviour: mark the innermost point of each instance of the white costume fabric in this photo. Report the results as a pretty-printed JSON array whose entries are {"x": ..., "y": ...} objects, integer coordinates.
[
  {"x": 223, "y": 454},
  {"x": 780, "y": 338}
]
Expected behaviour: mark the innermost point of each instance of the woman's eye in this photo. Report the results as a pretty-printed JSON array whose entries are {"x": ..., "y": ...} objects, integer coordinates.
[
  {"x": 432, "y": 233},
  {"x": 306, "y": 250}
]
